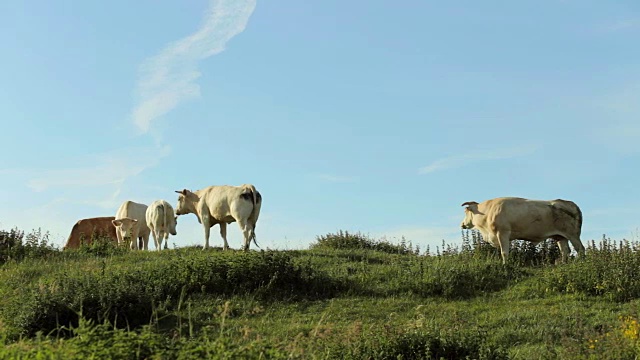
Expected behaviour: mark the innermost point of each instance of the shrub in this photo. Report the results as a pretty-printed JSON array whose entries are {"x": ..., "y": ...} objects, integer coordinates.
[
  {"x": 101, "y": 246},
  {"x": 127, "y": 294},
  {"x": 608, "y": 270},
  {"x": 521, "y": 252},
  {"x": 344, "y": 240},
  {"x": 465, "y": 278},
  {"x": 14, "y": 245},
  {"x": 103, "y": 341},
  {"x": 419, "y": 344}
]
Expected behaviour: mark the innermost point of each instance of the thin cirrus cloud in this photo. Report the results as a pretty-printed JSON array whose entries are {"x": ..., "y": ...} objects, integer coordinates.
[
  {"x": 464, "y": 159},
  {"x": 623, "y": 25},
  {"x": 111, "y": 168},
  {"x": 337, "y": 178},
  {"x": 169, "y": 78}
]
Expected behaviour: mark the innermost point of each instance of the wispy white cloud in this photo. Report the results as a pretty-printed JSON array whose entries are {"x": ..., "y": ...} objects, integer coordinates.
[
  {"x": 100, "y": 169},
  {"x": 338, "y": 178},
  {"x": 168, "y": 78},
  {"x": 622, "y": 25},
  {"x": 463, "y": 159}
]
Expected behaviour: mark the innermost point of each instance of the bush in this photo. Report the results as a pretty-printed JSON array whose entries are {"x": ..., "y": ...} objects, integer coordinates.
[
  {"x": 14, "y": 245},
  {"x": 521, "y": 252},
  {"x": 101, "y": 246},
  {"x": 462, "y": 278},
  {"x": 344, "y": 240},
  {"x": 419, "y": 344},
  {"x": 129, "y": 293},
  {"x": 103, "y": 341},
  {"x": 608, "y": 270}
]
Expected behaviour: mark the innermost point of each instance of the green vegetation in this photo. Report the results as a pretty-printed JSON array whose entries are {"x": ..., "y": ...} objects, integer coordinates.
[{"x": 348, "y": 296}]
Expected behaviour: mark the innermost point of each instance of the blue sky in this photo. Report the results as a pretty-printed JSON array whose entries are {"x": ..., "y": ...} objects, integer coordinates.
[{"x": 364, "y": 116}]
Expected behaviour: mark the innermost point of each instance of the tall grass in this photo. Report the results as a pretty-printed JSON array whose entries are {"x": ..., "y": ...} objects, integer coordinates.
[
  {"x": 128, "y": 292},
  {"x": 103, "y": 301}
]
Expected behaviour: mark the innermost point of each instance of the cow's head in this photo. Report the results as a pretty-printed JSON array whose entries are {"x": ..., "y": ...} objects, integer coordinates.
[
  {"x": 124, "y": 225},
  {"x": 187, "y": 201},
  {"x": 172, "y": 221},
  {"x": 470, "y": 209},
  {"x": 172, "y": 230}
]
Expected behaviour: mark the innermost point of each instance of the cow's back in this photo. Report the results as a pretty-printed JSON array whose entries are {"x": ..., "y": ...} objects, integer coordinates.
[
  {"x": 136, "y": 211},
  {"x": 219, "y": 199},
  {"x": 159, "y": 213},
  {"x": 85, "y": 229},
  {"x": 527, "y": 218}
]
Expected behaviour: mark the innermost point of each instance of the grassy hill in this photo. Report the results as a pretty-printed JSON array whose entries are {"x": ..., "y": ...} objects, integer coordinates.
[{"x": 347, "y": 297}]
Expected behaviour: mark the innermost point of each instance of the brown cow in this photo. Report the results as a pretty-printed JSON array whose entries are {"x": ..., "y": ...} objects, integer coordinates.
[{"x": 87, "y": 228}]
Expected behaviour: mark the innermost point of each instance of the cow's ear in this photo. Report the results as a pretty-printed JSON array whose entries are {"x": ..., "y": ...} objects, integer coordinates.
[
  {"x": 134, "y": 221},
  {"x": 116, "y": 222}
]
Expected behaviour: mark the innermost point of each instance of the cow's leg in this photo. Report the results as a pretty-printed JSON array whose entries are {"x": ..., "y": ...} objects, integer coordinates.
[
  {"x": 155, "y": 234},
  {"x": 563, "y": 244},
  {"x": 206, "y": 222},
  {"x": 223, "y": 233},
  {"x": 134, "y": 237},
  {"x": 163, "y": 236},
  {"x": 505, "y": 242},
  {"x": 144, "y": 241},
  {"x": 577, "y": 245},
  {"x": 246, "y": 232}
]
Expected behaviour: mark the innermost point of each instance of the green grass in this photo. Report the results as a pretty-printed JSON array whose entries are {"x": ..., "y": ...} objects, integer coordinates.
[{"x": 347, "y": 297}]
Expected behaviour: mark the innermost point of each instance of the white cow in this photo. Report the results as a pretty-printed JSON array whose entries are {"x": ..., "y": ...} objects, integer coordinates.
[
  {"x": 131, "y": 216},
  {"x": 161, "y": 221},
  {"x": 504, "y": 219},
  {"x": 223, "y": 204}
]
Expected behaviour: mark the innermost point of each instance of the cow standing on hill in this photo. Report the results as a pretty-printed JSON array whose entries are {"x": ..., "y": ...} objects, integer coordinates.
[
  {"x": 223, "y": 204},
  {"x": 131, "y": 217},
  {"x": 161, "y": 222},
  {"x": 504, "y": 219}
]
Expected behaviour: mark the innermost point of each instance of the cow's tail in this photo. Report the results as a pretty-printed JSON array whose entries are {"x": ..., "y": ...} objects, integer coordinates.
[
  {"x": 163, "y": 214},
  {"x": 256, "y": 200}
]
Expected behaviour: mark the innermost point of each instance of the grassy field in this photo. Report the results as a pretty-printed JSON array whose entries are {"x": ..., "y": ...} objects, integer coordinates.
[{"x": 347, "y": 297}]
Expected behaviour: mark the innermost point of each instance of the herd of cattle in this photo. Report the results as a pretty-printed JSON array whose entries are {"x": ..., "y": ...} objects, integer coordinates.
[
  {"x": 499, "y": 220},
  {"x": 222, "y": 204}
]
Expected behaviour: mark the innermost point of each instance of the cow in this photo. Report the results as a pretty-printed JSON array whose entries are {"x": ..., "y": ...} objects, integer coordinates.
[
  {"x": 223, "y": 204},
  {"x": 124, "y": 222},
  {"x": 504, "y": 219},
  {"x": 161, "y": 221},
  {"x": 125, "y": 226},
  {"x": 85, "y": 230}
]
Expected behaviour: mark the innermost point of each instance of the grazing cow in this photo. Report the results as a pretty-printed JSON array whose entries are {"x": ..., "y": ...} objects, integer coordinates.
[
  {"x": 504, "y": 219},
  {"x": 85, "y": 230},
  {"x": 161, "y": 221},
  {"x": 124, "y": 222},
  {"x": 223, "y": 204},
  {"x": 126, "y": 226}
]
